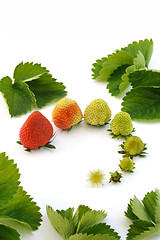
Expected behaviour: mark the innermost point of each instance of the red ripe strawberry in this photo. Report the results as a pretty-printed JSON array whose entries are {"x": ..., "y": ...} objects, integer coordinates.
[
  {"x": 36, "y": 131},
  {"x": 66, "y": 113}
]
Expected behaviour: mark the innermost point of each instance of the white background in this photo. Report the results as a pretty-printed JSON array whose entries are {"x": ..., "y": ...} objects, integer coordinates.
[{"x": 67, "y": 36}]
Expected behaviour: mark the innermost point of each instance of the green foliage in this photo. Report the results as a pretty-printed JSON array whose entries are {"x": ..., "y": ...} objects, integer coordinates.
[
  {"x": 17, "y": 209},
  {"x": 64, "y": 226},
  {"x": 97, "y": 66},
  {"x": 84, "y": 224},
  {"x": 7, "y": 233},
  {"x": 28, "y": 71},
  {"x": 18, "y": 96},
  {"x": 144, "y": 46},
  {"x": 116, "y": 67},
  {"x": 144, "y": 216},
  {"x": 89, "y": 219},
  {"x": 115, "y": 80},
  {"x": 138, "y": 63},
  {"x": 142, "y": 103},
  {"x": 33, "y": 86},
  {"x": 114, "y": 61},
  {"x": 145, "y": 78},
  {"x": 46, "y": 89},
  {"x": 128, "y": 66},
  {"x": 9, "y": 179}
]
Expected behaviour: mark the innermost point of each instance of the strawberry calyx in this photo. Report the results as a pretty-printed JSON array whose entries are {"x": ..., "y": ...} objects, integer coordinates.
[
  {"x": 48, "y": 145},
  {"x": 120, "y": 135},
  {"x": 126, "y": 154}
]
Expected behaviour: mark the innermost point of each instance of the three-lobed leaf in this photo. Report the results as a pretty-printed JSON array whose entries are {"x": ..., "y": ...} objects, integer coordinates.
[
  {"x": 145, "y": 216},
  {"x": 128, "y": 66},
  {"x": 84, "y": 224},
  {"x": 33, "y": 86}
]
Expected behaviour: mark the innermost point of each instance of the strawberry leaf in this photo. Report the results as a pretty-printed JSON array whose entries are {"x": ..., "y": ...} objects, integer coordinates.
[
  {"x": 149, "y": 202},
  {"x": 91, "y": 237},
  {"x": 142, "y": 103},
  {"x": 17, "y": 210},
  {"x": 138, "y": 63},
  {"x": 144, "y": 46},
  {"x": 18, "y": 96},
  {"x": 97, "y": 67},
  {"x": 102, "y": 229},
  {"x": 139, "y": 210},
  {"x": 115, "y": 80},
  {"x": 89, "y": 219},
  {"x": 148, "y": 233},
  {"x": 129, "y": 213},
  {"x": 28, "y": 71},
  {"x": 146, "y": 224},
  {"x": 46, "y": 89},
  {"x": 22, "y": 210},
  {"x": 81, "y": 210},
  {"x": 67, "y": 213},
  {"x": 137, "y": 228},
  {"x": 33, "y": 87},
  {"x": 7, "y": 233},
  {"x": 157, "y": 207},
  {"x": 9, "y": 179},
  {"x": 84, "y": 224},
  {"x": 145, "y": 78},
  {"x": 114, "y": 61},
  {"x": 64, "y": 226}
]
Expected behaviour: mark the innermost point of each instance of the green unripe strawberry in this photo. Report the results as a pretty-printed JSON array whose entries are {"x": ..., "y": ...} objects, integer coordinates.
[
  {"x": 126, "y": 164},
  {"x": 121, "y": 124},
  {"x": 97, "y": 112},
  {"x": 115, "y": 177},
  {"x": 133, "y": 146}
]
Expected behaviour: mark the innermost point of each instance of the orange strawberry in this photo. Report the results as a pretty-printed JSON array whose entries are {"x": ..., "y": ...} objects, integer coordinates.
[
  {"x": 66, "y": 113},
  {"x": 36, "y": 131}
]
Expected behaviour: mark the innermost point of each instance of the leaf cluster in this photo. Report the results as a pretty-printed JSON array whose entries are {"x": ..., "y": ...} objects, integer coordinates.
[
  {"x": 145, "y": 216},
  {"x": 129, "y": 67},
  {"x": 17, "y": 209},
  {"x": 33, "y": 86},
  {"x": 143, "y": 101},
  {"x": 85, "y": 224}
]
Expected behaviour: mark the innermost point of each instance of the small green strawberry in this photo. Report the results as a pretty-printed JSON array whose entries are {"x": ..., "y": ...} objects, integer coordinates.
[
  {"x": 115, "y": 177},
  {"x": 127, "y": 164}
]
